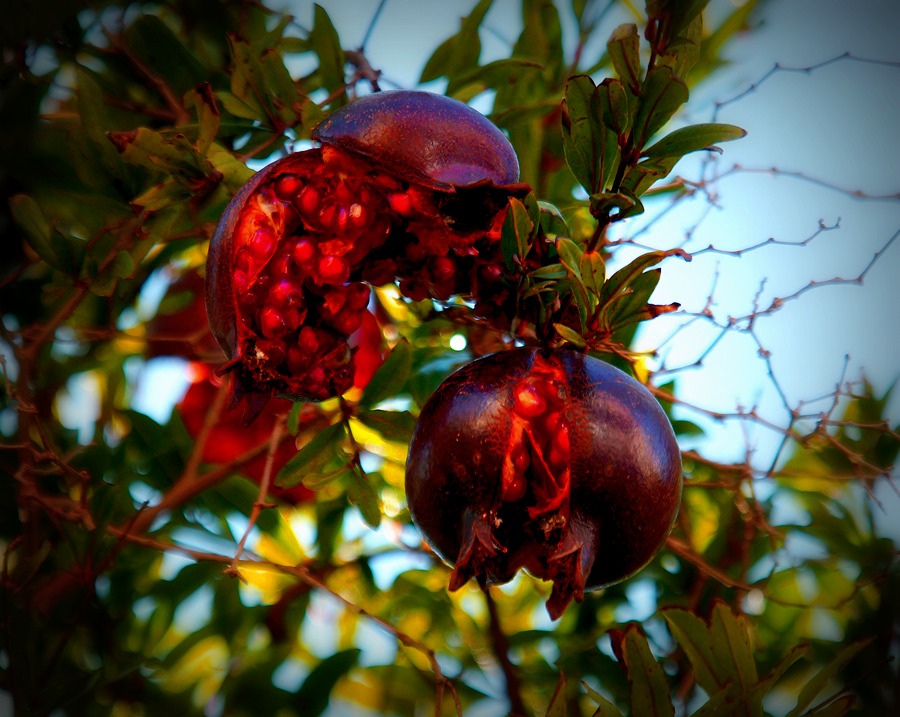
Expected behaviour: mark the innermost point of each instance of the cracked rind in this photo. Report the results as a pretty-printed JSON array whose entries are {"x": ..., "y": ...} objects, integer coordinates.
[{"x": 598, "y": 524}]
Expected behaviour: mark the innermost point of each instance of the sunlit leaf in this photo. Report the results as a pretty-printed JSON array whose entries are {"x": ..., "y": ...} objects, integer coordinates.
[{"x": 390, "y": 377}]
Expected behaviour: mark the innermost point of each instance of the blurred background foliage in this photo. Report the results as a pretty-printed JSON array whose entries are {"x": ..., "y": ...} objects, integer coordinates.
[{"x": 124, "y": 130}]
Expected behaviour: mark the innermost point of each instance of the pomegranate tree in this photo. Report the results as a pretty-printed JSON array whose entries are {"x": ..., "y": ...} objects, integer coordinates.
[
  {"x": 408, "y": 186},
  {"x": 552, "y": 461}
]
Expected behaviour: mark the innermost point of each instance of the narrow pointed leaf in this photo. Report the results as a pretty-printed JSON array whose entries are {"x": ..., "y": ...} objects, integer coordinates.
[
  {"x": 570, "y": 255},
  {"x": 661, "y": 95},
  {"x": 605, "y": 708},
  {"x": 557, "y": 706},
  {"x": 582, "y": 131},
  {"x": 319, "y": 450},
  {"x": 624, "y": 51},
  {"x": 731, "y": 642},
  {"x": 694, "y": 138},
  {"x": 326, "y": 44},
  {"x": 515, "y": 236},
  {"x": 693, "y": 636},
  {"x": 570, "y": 335},
  {"x": 819, "y": 681},
  {"x": 777, "y": 672},
  {"x": 390, "y": 378},
  {"x": 361, "y": 494},
  {"x": 649, "y": 689},
  {"x": 593, "y": 271}
]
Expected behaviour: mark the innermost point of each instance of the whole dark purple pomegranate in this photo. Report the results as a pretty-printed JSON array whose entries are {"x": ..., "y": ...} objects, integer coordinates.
[
  {"x": 408, "y": 186},
  {"x": 554, "y": 462}
]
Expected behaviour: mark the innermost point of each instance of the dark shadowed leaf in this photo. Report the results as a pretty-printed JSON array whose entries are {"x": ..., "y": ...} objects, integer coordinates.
[
  {"x": 314, "y": 694},
  {"x": 624, "y": 51},
  {"x": 821, "y": 679}
]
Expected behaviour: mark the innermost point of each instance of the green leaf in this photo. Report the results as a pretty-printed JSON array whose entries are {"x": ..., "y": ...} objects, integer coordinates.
[
  {"x": 315, "y": 693},
  {"x": 674, "y": 15},
  {"x": 165, "y": 55},
  {"x": 325, "y": 43},
  {"x": 361, "y": 494},
  {"x": 122, "y": 266},
  {"x": 627, "y": 274},
  {"x": 516, "y": 233},
  {"x": 171, "y": 155},
  {"x": 661, "y": 95},
  {"x": 694, "y": 138},
  {"x": 557, "y": 706},
  {"x": 314, "y": 454},
  {"x": 239, "y": 107},
  {"x": 459, "y": 53},
  {"x": 640, "y": 177},
  {"x": 649, "y": 689},
  {"x": 570, "y": 255},
  {"x": 719, "y": 703},
  {"x": 616, "y": 205},
  {"x": 553, "y": 213},
  {"x": 631, "y": 301},
  {"x": 570, "y": 335},
  {"x": 593, "y": 271},
  {"x": 837, "y": 707},
  {"x": 28, "y": 215},
  {"x": 777, "y": 672},
  {"x": 616, "y": 106},
  {"x": 624, "y": 51},
  {"x": 280, "y": 86},
  {"x": 203, "y": 101},
  {"x": 394, "y": 426},
  {"x": 550, "y": 271},
  {"x": 390, "y": 378},
  {"x": 821, "y": 679},
  {"x": 247, "y": 82},
  {"x": 583, "y": 132},
  {"x": 490, "y": 76},
  {"x": 731, "y": 638},
  {"x": 694, "y": 638},
  {"x": 605, "y": 708}
]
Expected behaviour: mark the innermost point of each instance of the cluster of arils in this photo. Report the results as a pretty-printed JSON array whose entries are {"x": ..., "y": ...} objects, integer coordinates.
[
  {"x": 408, "y": 187},
  {"x": 184, "y": 332}
]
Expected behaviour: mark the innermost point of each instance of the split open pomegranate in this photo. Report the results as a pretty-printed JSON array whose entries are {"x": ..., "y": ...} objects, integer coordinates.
[
  {"x": 408, "y": 186},
  {"x": 554, "y": 462}
]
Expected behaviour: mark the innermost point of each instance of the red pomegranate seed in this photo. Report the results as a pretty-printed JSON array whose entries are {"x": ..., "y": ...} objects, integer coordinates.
[
  {"x": 333, "y": 270},
  {"x": 288, "y": 186},
  {"x": 304, "y": 252},
  {"x": 272, "y": 323}
]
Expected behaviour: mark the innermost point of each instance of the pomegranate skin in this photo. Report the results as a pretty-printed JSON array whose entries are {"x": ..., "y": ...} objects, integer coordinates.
[
  {"x": 555, "y": 462},
  {"x": 422, "y": 137}
]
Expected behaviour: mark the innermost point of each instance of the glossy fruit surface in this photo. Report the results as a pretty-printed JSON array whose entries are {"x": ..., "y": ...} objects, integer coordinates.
[
  {"x": 291, "y": 264},
  {"x": 557, "y": 463},
  {"x": 428, "y": 139}
]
